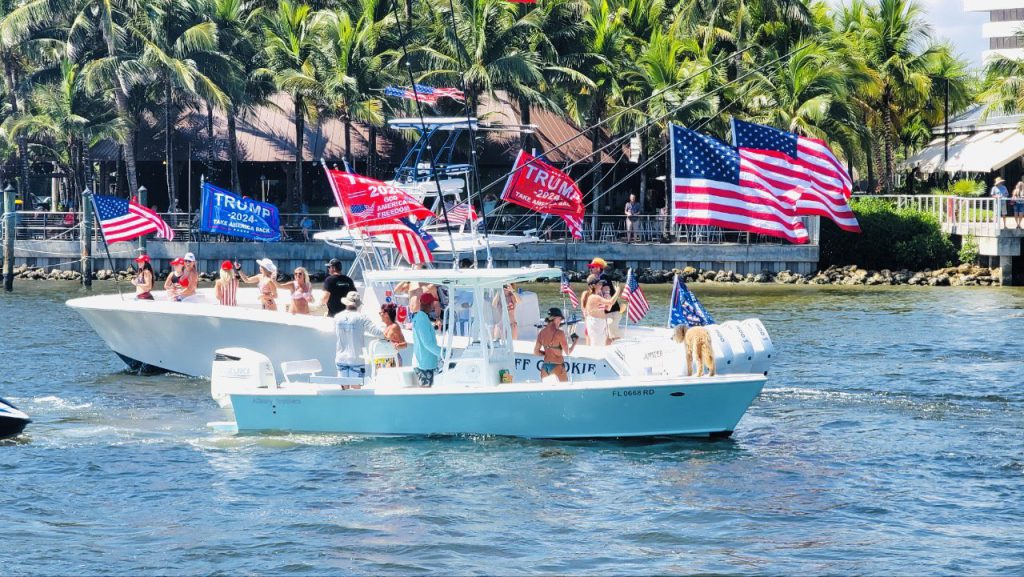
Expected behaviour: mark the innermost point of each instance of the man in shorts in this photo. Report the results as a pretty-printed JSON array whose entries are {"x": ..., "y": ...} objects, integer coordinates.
[{"x": 426, "y": 353}]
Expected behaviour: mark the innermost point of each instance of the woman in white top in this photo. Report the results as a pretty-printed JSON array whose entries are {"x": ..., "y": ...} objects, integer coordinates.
[{"x": 595, "y": 309}]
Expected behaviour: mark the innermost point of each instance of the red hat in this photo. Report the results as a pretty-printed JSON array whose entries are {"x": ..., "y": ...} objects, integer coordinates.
[
  {"x": 142, "y": 258},
  {"x": 177, "y": 261},
  {"x": 226, "y": 265}
]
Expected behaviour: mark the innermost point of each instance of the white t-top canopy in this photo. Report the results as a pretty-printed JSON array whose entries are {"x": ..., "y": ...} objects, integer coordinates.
[
  {"x": 467, "y": 277},
  {"x": 459, "y": 241},
  {"x": 437, "y": 122}
]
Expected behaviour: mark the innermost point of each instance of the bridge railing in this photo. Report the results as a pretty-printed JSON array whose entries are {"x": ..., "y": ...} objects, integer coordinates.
[{"x": 958, "y": 214}]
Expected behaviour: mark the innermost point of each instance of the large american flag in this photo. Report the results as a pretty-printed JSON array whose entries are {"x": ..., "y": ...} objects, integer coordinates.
[
  {"x": 566, "y": 289},
  {"x": 636, "y": 303},
  {"x": 788, "y": 161},
  {"x": 122, "y": 220},
  {"x": 712, "y": 184}
]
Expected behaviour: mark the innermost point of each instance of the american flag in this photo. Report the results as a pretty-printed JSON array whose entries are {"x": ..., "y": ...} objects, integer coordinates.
[
  {"x": 636, "y": 302},
  {"x": 424, "y": 93},
  {"x": 713, "y": 184},
  {"x": 459, "y": 213},
  {"x": 122, "y": 220},
  {"x": 787, "y": 161},
  {"x": 685, "y": 309},
  {"x": 567, "y": 291},
  {"x": 413, "y": 243}
]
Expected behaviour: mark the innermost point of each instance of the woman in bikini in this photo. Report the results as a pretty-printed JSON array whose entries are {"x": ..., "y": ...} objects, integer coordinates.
[
  {"x": 392, "y": 330},
  {"x": 144, "y": 280},
  {"x": 552, "y": 345},
  {"x": 511, "y": 301},
  {"x": 302, "y": 291},
  {"x": 265, "y": 282}
]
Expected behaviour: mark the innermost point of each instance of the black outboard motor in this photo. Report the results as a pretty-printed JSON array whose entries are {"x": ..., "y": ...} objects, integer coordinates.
[{"x": 12, "y": 421}]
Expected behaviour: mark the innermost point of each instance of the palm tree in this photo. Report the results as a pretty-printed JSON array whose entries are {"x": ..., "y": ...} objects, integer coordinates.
[
  {"x": 294, "y": 52},
  {"x": 63, "y": 121},
  {"x": 176, "y": 38},
  {"x": 896, "y": 47},
  {"x": 239, "y": 24},
  {"x": 354, "y": 67}
]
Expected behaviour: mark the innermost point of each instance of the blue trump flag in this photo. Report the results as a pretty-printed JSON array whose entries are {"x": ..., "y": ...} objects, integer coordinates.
[
  {"x": 225, "y": 212},
  {"x": 685, "y": 308}
]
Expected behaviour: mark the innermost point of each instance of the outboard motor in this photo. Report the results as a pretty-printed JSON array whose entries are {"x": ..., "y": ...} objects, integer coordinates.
[
  {"x": 235, "y": 370},
  {"x": 12, "y": 420}
]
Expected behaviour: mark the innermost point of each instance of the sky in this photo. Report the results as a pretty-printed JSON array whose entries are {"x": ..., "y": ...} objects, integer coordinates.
[{"x": 949, "y": 21}]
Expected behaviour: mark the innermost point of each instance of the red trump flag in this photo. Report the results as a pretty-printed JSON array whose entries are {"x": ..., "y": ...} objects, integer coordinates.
[
  {"x": 366, "y": 201},
  {"x": 537, "y": 185}
]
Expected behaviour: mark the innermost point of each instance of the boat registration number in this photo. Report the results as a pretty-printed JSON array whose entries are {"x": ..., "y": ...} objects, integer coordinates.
[{"x": 634, "y": 393}]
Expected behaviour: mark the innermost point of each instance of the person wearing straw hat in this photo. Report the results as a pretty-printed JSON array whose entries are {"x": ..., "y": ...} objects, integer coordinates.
[
  {"x": 265, "y": 282},
  {"x": 350, "y": 328},
  {"x": 1000, "y": 193},
  {"x": 553, "y": 346}
]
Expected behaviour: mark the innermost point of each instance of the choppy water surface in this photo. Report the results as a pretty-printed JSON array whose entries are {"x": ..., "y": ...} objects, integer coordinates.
[{"x": 889, "y": 440}]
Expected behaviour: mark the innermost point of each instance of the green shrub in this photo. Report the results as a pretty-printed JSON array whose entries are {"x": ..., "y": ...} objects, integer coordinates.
[
  {"x": 966, "y": 187},
  {"x": 891, "y": 238},
  {"x": 969, "y": 250}
]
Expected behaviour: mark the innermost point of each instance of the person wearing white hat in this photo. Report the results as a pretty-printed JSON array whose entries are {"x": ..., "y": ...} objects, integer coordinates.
[
  {"x": 350, "y": 328},
  {"x": 189, "y": 281},
  {"x": 265, "y": 282},
  {"x": 1000, "y": 193}
]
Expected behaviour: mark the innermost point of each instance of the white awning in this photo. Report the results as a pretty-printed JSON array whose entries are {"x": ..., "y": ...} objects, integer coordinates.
[
  {"x": 994, "y": 151},
  {"x": 980, "y": 152}
]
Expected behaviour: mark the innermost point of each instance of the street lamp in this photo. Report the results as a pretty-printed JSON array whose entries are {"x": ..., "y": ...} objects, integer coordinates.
[{"x": 263, "y": 186}]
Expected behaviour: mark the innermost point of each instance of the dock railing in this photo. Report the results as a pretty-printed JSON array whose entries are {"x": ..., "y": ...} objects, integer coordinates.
[{"x": 958, "y": 214}]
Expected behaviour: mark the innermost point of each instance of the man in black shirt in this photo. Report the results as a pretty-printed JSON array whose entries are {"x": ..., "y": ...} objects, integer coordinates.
[{"x": 336, "y": 287}]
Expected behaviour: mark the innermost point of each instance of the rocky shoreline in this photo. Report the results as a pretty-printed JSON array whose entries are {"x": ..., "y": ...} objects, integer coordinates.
[{"x": 963, "y": 275}]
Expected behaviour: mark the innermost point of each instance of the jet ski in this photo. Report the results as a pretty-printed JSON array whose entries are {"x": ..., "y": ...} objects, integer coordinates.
[{"x": 12, "y": 421}]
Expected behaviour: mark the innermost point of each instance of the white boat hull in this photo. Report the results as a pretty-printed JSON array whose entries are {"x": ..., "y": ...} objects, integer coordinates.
[{"x": 648, "y": 408}]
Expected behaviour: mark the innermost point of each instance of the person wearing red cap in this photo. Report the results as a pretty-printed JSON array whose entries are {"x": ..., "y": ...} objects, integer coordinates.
[
  {"x": 143, "y": 281},
  {"x": 173, "y": 282},
  {"x": 226, "y": 286}
]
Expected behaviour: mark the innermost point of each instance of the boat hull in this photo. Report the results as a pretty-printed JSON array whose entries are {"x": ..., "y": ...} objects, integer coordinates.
[
  {"x": 686, "y": 407},
  {"x": 12, "y": 420}
]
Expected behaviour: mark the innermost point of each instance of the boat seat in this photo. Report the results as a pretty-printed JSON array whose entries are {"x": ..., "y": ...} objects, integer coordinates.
[
  {"x": 395, "y": 377},
  {"x": 308, "y": 367},
  {"x": 330, "y": 380}
]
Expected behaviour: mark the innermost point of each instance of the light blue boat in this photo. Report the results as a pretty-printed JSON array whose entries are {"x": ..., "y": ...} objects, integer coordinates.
[{"x": 646, "y": 394}]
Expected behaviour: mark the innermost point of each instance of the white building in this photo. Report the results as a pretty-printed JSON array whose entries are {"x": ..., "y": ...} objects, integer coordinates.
[{"x": 1006, "y": 20}]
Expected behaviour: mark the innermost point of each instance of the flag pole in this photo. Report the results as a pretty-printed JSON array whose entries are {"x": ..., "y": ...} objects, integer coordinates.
[
  {"x": 199, "y": 233},
  {"x": 672, "y": 300},
  {"x": 629, "y": 273},
  {"x": 103, "y": 236}
]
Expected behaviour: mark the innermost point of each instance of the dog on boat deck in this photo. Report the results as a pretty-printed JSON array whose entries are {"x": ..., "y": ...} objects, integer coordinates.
[{"x": 698, "y": 348}]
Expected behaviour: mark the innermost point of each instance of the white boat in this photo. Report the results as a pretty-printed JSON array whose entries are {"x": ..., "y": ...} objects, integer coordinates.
[{"x": 644, "y": 393}]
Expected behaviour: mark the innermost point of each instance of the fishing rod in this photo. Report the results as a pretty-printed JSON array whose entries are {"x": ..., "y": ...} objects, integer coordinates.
[{"x": 423, "y": 126}]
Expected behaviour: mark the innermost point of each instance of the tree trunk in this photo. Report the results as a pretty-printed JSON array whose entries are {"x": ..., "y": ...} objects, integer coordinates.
[
  {"x": 371, "y": 153},
  {"x": 887, "y": 119},
  {"x": 349, "y": 159},
  {"x": 869, "y": 160},
  {"x": 121, "y": 102},
  {"x": 172, "y": 193},
  {"x": 300, "y": 127},
  {"x": 595, "y": 144},
  {"x": 211, "y": 171},
  {"x": 11, "y": 81},
  {"x": 236, "y": 183},
  {"x": 525, "y": 139}
]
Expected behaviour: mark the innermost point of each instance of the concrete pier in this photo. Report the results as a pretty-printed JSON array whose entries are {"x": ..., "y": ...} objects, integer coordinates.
[{"x": 738, "y": 258}]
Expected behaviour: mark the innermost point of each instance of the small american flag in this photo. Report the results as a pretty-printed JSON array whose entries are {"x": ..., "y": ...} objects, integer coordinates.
[
  {"x": 567, "y": 291},
  {"x": 636, "y": 303},
  {"x": 459, "y": 213},
  {"x": 122, "y": 220}
]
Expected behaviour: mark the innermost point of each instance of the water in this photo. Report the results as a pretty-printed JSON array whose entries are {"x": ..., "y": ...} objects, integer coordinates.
[{"x": 889, "y": 440}]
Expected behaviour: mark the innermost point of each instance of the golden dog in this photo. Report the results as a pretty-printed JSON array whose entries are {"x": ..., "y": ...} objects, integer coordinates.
[{"x": 698, "y": 348}]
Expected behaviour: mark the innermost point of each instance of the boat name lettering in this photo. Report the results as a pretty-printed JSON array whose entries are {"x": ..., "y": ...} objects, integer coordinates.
[
  {"x": 653, "y": 355},
  {"x": 571, "y": 367},
  {"x": 634, "y": 393}
]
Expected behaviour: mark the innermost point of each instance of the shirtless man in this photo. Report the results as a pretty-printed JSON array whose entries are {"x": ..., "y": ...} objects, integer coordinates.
[
  {"x": 551, "y": 343},
  {"x": 595, "y": 309}
]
